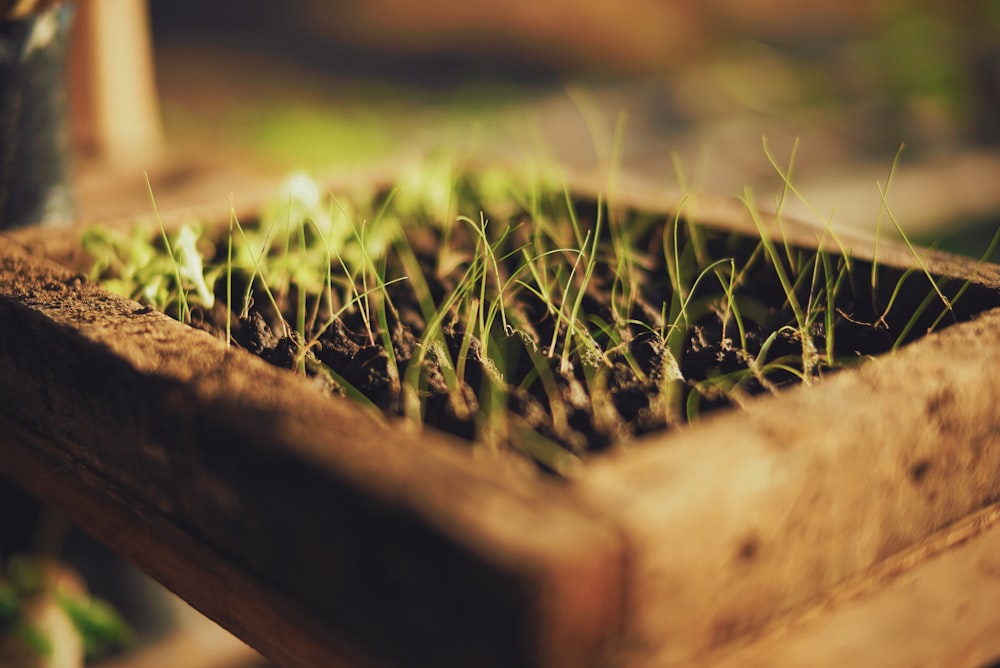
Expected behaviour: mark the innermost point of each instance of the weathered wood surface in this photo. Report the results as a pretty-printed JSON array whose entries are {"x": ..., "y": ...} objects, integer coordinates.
[
  {"x": 746, "y": 517},
  {"x": 409, "y": 551},
  {"x": 749, "y": 516},
  {"x": 414, "y": 550},
  {"x": 886, "y": 246},
  {"x": 186, "y": 564},
  {"x": 935, "y": 605}
]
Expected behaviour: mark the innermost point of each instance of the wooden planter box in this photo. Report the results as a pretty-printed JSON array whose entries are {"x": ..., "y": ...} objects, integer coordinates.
[{"x": 324, "y": 537}]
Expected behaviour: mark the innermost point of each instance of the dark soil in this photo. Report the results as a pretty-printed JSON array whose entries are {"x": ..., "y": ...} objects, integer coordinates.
[{"x": 552, "y": 397}]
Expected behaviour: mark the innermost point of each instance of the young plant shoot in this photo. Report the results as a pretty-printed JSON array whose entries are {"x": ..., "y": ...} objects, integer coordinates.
[{"x": 511, "y": 313}]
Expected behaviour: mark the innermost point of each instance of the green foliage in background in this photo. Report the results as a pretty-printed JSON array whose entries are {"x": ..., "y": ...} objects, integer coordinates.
[{"x": 100, "y": 626}]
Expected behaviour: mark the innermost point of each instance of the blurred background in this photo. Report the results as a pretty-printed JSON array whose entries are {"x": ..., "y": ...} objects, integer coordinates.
[
  {"x": 699, "y": 84},
  {"x": 695, "y": 87}
]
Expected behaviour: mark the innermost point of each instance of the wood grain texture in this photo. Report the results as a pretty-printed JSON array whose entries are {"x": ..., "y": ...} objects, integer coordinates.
[
  {"x": 745, "y": 517},
  {"x": 412, "y": 548},
  {"x": 935, "y": 606},
  {"x": 665, "y": 553},
  {"x": 207, "y": 579}
]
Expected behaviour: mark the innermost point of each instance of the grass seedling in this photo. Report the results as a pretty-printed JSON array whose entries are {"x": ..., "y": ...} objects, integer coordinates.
[
  {"x": 913, "y": 251},
  {"x": 965, "y": 285},
  {"x": 258, "y": 274},
  {"x": 182, "y": 305},
  {"x": 229, "y": 272},
  {"x": 520, "y": 315}
]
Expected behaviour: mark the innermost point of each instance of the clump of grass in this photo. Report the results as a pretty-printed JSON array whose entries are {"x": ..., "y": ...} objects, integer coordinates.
[{"x": 510, "y": 312}]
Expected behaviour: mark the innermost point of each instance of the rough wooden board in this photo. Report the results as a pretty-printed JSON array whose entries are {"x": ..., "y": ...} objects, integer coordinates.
[
  {"x": 410, "y": 546},
  {"x": 937, "y": 605},
  {"x": 728, "y": 213},
  {"x": 207, "y": 579},
  {"x": 747, "y": 516}
]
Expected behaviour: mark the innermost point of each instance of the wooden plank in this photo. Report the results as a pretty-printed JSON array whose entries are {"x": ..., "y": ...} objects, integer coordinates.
[
  {"x": 935, "y": 605},
  {"x": 748, "y": 516},
  {"x": 212, "y": 583},
  {"x": 725, "y": 213},
  {"x": 416, "y": 551}
]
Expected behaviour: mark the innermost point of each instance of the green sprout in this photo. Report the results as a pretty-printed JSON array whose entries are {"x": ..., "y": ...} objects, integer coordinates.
[{"x": 513, "y": 313}]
